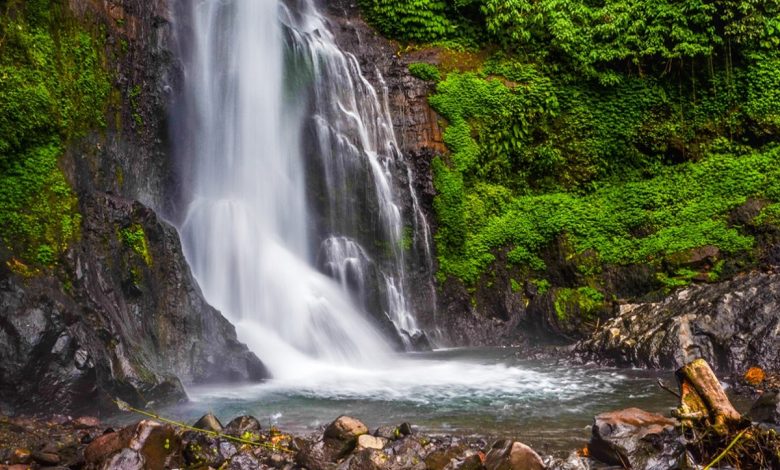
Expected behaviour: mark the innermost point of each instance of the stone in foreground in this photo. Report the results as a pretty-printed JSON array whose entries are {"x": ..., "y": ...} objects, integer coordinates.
[
  {"x": 636, "y": 439},
  {"x": 512, "y": 455}
]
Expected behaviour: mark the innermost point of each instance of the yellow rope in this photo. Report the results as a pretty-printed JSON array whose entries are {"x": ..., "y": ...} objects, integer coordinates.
[{"x": 124, "y": 406}]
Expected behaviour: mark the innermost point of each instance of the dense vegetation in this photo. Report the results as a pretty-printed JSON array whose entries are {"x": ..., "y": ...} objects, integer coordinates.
[
  {"x": 630, "y": 129},
  {"x": 53, "y": 89}
]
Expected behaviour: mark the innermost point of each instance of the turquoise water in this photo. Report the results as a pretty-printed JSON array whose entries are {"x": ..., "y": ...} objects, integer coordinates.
[{"x": 471, "y": 392}]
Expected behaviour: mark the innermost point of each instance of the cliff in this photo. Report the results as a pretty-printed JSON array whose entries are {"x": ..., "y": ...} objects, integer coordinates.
[{"x": 97, "y": 300}]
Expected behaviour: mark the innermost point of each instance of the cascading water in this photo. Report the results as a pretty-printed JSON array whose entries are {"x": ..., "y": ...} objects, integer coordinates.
[
  {"x": 295, "y": 231},
  {"x": 292, "y": 227}
]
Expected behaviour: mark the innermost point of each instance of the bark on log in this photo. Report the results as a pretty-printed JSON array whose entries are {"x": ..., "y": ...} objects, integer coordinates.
[{"x": 703, "y": 399}]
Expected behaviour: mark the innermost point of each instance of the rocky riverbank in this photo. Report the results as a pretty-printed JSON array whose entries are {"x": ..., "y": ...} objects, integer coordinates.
[{"x": 705, "y": 428}]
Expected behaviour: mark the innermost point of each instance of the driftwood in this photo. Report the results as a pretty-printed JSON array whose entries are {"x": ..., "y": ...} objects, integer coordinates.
[{"x": 702, "y": 399}]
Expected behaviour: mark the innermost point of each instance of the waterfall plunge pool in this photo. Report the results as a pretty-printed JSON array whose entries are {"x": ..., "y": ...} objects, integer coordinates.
[{"x": 488, "y": 392}]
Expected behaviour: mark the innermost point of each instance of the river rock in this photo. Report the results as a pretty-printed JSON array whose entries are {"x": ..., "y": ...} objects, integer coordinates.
[
  {"x": 244, "y": 462},
  {"x": 21, "y": 456},
  {"x": 341, "y": 436},
  {"x": 512, "y": 455},
  {"x": 388, "y": 432},
  {"x": 208, "y": 422},
  {"x": 367, "y": 441},
  {"x": 636, "y": 439},
  {"x": 46, "y": 458},
  {"x": 766, "y": 409},
  {"x": 367, "y": 459},
  {"x": 201, "y": 450},
  {"x": 243, "y": 424},
  {"x": 158, "y": 445},
  {"x": 732, "y": 325},
  {"x": 126, "y": 459}
]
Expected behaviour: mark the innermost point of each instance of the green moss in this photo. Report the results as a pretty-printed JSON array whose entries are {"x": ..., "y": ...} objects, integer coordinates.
[
  {"x": 53, "y": 89},
  {"x": 425, "y": 71},
  {"x": 38, "y": 210},
  {"x": 134, "y": 237},
  {"x": 583, "y": 302}
]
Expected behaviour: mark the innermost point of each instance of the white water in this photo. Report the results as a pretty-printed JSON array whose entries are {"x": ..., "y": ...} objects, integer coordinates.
[{"x": 258, "y": 77}]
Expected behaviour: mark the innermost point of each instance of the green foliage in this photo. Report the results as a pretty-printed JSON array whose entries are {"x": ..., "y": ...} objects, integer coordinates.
[
  {"x": 413, "y": 20},
  {"x": 134, "y": 237},
  {"x": 584, "y": 302},
  {"x": 53, "y": 88},
  {"x": 682, "y": 208},
  {"x": 425, "y": 71},
  {"x": 38, "y": 210}
]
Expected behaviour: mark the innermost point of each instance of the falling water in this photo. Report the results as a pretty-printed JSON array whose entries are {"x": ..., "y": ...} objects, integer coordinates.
[{"x": 293, "y": 227}]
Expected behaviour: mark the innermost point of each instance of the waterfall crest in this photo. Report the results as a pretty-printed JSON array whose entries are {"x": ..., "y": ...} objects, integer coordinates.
[{"x": 293, "y": 228}]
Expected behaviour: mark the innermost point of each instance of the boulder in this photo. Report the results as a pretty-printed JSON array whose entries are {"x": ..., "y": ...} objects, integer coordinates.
[
  {"x": 126, "y": 459},
  {"x": 388, "y": 432},
  {"x": 367, "y": 441},
  {"x": 368, "y": 459},
  {"x": 512, "y": 455},
  {"x": 201, "y": 450},
  {"x": 341, "y": 436},
  {"x": 766, "y": 409},
  {"x": 243, "y": 424},
  {"x": 244, "y": 462},
  {"x": 208, "y": 422},
  {"x": 636, "y": 439},
  {"x": 157, "y": 444}
]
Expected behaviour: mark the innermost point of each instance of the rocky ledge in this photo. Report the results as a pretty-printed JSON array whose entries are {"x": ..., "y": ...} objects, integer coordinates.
[
  {"x": 704, "y": 429},
  {"x": 734, "y": 325}
]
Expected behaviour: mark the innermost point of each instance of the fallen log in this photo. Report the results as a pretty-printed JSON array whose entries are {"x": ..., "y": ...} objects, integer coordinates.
[{"x": 703, "y": 400}]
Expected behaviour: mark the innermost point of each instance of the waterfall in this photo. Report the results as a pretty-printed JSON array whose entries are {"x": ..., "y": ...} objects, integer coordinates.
[{"x": 294, "y": 227}]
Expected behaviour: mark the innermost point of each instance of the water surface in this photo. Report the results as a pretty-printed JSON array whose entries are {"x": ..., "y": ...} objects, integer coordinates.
[{"x": 471, "y": 392}]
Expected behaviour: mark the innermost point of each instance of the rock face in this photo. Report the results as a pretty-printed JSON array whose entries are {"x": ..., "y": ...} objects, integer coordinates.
[
  {"x": 128, "y": 325},
  {"x": 636, "y": 439},
  {"x": 733, "y": 325},
  {"x": 448, "y": 310},
  {"x": 120, "y": 315}
]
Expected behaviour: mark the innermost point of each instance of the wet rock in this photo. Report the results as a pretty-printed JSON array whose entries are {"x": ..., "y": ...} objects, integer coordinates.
[
  {"x": 407, "y": 454},
  {"x": 512, "y": 455},
  {"x": 766, "y": 409},
  {"x": 314, "y": 455},
  {"x": 442, "y": 458},
  {"x": 367, "y": 459},
  {"x": 573, "y": 462},
  {"x": 126, "y": 459},
  {"x": 158, "y": 444},
  {"x": 637, "y": 439},
  {"x": 243, "y": 424},
  {"x": 201, "y": 450},
  {"x": 21, "y": 456},
  {"x": 405, "y": 429},
  {"x": 388, "y": 432},
  {"x": 470, "y": 460},
  {"x": 244, "y": 462},
  {"x": 367, "y": 441},
  {"x": 46, "y": 458},
  {"x": 208, "y": 422},
  {"x": 86, "y": 422},
  {"x": 730, "y": 324},
  {"x": 341, "y": 436},
  {"x": 345, "y": 428}
]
